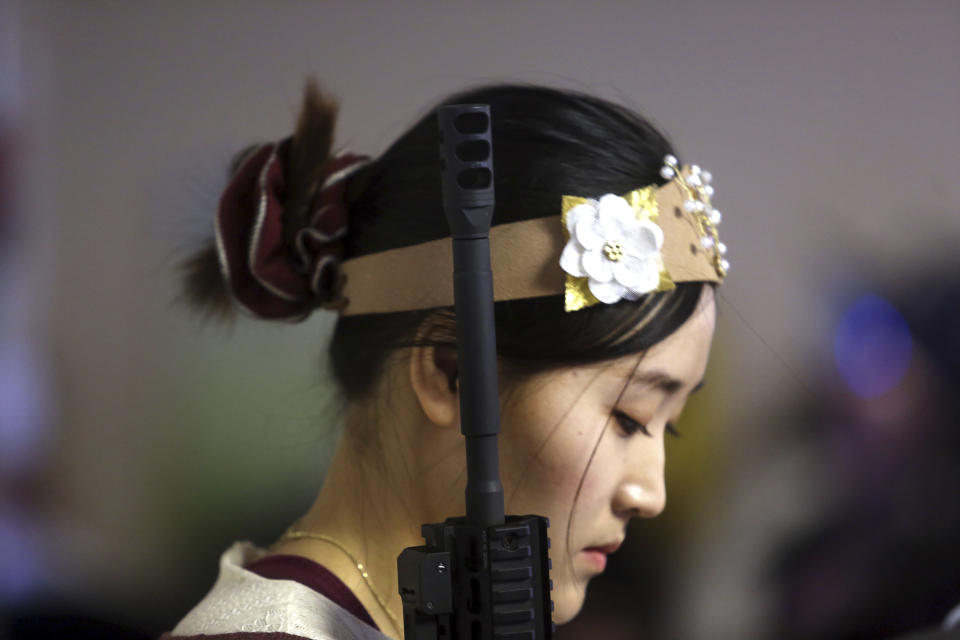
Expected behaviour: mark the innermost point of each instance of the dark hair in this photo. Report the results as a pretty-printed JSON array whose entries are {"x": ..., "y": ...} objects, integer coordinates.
[{"x": 547, "y": 143}]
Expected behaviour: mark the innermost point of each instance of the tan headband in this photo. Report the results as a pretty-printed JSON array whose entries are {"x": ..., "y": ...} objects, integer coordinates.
[{"x": 525, "y": 256}]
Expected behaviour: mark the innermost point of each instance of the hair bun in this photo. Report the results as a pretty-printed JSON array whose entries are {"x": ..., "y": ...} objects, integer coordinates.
[{"x": 280, "y": 224}]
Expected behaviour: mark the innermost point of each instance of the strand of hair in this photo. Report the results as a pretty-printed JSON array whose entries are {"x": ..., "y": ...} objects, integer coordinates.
[
  {"x": 309, "y": 152},
  {"x": 204, "y": 287}
]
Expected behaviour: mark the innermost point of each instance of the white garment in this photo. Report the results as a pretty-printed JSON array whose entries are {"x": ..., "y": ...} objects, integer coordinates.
[
  {"x": 952, "y": 620},
  {"x": 244, "y": 601}
]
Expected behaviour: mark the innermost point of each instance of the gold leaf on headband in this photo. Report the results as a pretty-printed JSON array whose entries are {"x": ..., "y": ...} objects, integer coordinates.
[
  {"x": 666, "y": 282},
  {"x": 644, "y": 202},
  {"x": 577, "y": 294},
  {"x": 567, "y": 203}
]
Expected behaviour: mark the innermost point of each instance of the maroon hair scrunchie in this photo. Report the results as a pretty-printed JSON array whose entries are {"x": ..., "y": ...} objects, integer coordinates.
[{"x": 267, "y": 275}]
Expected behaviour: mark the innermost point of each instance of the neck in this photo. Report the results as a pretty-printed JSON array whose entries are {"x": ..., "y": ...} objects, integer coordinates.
[{"x": 373, "y": 501}]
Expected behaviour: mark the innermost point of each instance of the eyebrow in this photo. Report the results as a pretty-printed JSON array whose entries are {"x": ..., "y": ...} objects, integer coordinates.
[{"x": 661, "y": 381}]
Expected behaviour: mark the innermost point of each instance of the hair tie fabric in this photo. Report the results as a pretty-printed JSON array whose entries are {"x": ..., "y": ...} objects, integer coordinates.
[{"x": 268, "y": 275}]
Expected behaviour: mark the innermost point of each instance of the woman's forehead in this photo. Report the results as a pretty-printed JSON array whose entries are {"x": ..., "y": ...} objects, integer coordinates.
[{"x": 680, "y": 357}]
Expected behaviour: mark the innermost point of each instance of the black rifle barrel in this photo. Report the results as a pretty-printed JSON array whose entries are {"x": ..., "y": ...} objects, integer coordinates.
[
  {"x": 466, "y": 151},
  {"x": 481, "y": 576}
]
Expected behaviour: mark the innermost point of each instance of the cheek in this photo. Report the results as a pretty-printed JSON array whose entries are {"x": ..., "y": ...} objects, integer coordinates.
[
  {"x": 545, "y": 453},
  {"x": 543, "y": 482}
]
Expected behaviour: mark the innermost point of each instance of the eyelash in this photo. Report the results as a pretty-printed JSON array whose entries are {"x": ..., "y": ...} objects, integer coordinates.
[{"x": 631, "y": 426}]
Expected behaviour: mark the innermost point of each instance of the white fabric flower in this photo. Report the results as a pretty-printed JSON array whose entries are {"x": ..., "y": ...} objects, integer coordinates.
[{"x": 617, "y": 252}]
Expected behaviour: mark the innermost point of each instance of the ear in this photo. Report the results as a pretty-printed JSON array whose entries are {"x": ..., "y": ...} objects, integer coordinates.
[{"x": 433, "y": 374}]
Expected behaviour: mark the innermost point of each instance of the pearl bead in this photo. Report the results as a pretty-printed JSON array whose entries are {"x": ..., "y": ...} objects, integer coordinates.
[
  {"x": 708, "y": 190},
  {"x": 722, "y": 248},
  {"x": 690, "y": 205},
  {"x": 670, "y": 159},
  {"x": 667, "y": 173},
  {"x": 706, "y": 242},
  {"x": 707, "y": 177},
  {"x": 695, "y": 169},
  {"x": 694, "y": 180},
  {"x": 715, "y": 216},
  {"x": 725, "y": 265}
]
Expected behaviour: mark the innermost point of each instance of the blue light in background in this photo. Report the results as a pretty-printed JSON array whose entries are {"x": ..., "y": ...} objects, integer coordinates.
[{"x": 872, "y": 346}]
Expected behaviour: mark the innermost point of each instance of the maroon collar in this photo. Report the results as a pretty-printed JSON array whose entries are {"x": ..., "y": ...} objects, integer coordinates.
[{"x": 312, "y": 575}]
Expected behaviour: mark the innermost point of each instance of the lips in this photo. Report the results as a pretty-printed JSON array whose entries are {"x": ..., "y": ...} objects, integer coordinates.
[{"x": 607, "y": 548}]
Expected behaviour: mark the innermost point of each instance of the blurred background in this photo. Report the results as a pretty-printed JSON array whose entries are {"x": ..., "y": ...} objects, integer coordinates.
[{"x": 815, "y": 492}]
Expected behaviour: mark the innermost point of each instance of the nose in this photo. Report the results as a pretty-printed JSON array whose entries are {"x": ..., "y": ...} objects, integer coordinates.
[
  {"x": 635, "y": 500},
  {"x": 642, "y": 492}
]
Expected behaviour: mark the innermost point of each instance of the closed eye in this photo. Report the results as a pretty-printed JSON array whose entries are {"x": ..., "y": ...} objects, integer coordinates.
[{"x": 631, "y": 426}]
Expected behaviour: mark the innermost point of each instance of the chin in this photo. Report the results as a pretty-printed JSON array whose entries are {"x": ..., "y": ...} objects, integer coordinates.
[{"x": 568, "y": 604}]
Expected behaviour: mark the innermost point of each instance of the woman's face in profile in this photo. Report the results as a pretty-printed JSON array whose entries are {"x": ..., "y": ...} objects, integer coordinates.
[{"x": 573, "y": 448}]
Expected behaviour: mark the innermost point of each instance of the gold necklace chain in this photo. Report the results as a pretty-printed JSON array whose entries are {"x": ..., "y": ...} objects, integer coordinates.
[{"x": 296, "y": 534}]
